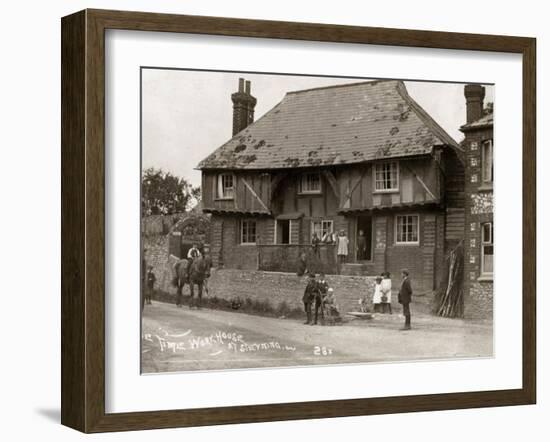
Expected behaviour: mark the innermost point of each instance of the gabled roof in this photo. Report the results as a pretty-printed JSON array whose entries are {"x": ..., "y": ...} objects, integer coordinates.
[
  {"x": 483, "y": 122},
  {"x": 333, "y": 125}
]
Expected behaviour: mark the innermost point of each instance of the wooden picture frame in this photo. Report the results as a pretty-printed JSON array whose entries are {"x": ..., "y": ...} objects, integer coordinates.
[{"x": 83, "y": 220}]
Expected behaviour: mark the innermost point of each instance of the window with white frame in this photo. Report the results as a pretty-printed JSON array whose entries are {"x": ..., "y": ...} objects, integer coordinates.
[
  {"x": 321, "y": 228},
  {"x": 406, "y": 229},
  {"x": 310, "y": 182},
  {"x": 248, "y": 231},
  {"x": 487, "y": 161},
  {"x": 487, "y": 248},
  {"x": 226, "y": 186},
  {"x": 386, "y": 177}
]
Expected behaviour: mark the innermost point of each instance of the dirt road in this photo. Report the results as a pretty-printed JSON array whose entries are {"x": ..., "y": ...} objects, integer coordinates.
[{"x": 179, "y": 339}]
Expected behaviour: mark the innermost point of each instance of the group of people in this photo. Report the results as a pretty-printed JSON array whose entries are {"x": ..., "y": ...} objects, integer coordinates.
[
  {"x": 341, "y": 240},
  {"x": 318, "y": 299}
]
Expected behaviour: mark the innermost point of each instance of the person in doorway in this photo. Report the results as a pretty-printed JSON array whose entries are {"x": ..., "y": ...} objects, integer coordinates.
[
  {"x": 310, "y": 294},
  {"x": 342, "y": 247},
  {"x": 150, "y": 280},
  {"x": 405, "y": 297},
  {"x": 361, "y": 246}
]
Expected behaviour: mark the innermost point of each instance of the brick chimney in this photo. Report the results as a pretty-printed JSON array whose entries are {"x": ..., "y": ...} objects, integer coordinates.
[
  {"x": 474, "y": 94},
  {"x": 243, "y": 106}
]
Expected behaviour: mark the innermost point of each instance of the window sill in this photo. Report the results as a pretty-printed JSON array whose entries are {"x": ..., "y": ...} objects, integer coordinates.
[
  {"x": 406, "y": 244},
  {"x": 386, "y": 191},
  {"x": 310, "y": 193},
  {"x": 485, "y": 278},
  {"x": 247, "y": 244},
  {"x": 485, "y": 187}
]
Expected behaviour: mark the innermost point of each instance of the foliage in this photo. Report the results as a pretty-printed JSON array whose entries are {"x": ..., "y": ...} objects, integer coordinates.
[{"x": 164, "y": 193}]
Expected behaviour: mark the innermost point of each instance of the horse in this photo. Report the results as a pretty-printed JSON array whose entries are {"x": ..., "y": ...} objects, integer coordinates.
[{"x": 197, "y": 274}]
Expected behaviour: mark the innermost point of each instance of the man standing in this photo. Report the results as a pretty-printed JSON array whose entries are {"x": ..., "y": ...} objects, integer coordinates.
[
  {"x": 322, "y": 289},
  {"x": 404, "y": 298},
  {"x": 361, "y": 246},
  {"x": 310, "y": 293}
]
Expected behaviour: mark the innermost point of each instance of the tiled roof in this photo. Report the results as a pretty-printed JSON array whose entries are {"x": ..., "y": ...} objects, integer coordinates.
[
  {"x": 485, "y": 121},
  {"x": 331, "y": 126}
]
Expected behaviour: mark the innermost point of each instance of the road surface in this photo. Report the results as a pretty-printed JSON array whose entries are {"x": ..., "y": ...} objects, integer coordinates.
[{"x": 180, "y": 339}]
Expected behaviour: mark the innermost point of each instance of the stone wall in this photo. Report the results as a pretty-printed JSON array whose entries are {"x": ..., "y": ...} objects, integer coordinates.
[
  {"x": 478, "y": 302},
  {"x": 276, "y": 287}
]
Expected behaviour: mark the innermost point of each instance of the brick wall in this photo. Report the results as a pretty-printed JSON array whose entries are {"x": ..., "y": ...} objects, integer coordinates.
[{"x": 478, "y": 291}]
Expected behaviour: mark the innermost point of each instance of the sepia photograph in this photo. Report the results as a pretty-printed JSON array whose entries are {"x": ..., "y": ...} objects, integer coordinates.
[{"x": 292, "y": 220}]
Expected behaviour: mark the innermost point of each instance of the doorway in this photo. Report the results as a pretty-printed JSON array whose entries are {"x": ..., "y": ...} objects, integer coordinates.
[{"x": 363, "y": 238}]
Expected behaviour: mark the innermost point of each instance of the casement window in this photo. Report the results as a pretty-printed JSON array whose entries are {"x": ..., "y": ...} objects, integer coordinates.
[
  {"x": 310, "y": 182},
  {"x": 321, "y": 228},
  {"x": 386, "y": 177},
  {"x": 406, "y": 229},
  {"x": 487, "y": 249},
  {"x": 248, "y": 231},
  {"x": 487, "y": 161},
  {"x": 226, "y": 186}
]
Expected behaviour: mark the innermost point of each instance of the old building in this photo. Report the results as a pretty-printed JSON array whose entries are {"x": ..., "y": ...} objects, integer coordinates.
[
  {"x": 478, "y": 238},
  {"x": 364, "y": 158}
]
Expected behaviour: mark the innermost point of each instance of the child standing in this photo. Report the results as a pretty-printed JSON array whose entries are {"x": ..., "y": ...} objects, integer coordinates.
[
  {"x": 377, "y": 296},
  {"x": 386, "y": 293}
]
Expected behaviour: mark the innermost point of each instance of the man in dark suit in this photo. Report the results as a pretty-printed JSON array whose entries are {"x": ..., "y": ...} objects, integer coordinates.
[
  {"x": 404, "y": 298},
  {"x": 310, "y": 293}
]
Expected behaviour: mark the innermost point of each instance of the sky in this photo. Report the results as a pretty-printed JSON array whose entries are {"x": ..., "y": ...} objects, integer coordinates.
[{"x": 186, "y": 115}]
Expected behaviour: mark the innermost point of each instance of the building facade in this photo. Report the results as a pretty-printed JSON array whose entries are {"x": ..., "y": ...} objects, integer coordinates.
[
  {"x": 362, "y": 158},
  {"x": 478, "y": 238}
]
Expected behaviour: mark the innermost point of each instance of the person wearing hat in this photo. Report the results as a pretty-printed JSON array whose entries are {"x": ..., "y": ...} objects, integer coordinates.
[
  {"x": 310, "y": 293},
  {"x": 323, "y": 287},
  {"x": 405, "y": 297},
  {"x": 192, "y": 254}
]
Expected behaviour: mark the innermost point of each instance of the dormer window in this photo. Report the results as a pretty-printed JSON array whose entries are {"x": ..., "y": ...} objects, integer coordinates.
[
  {"x": 487, "y": 161},
  {"x": 386, "y": 177},
  {"x": 226, "y": 186},
  {"x": 310, "y": 183}
]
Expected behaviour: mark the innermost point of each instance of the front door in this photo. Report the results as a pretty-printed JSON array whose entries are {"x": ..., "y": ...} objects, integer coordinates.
[{"x": 363, "y": 239}]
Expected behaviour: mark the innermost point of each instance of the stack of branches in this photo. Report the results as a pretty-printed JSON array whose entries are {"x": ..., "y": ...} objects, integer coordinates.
[{"x": 450, "y": 295}]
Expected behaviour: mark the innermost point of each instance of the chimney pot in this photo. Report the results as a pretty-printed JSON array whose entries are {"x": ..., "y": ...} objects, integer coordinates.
[
  {"x": 475, "y": 95},
  {"x": 243, "y": 106}
]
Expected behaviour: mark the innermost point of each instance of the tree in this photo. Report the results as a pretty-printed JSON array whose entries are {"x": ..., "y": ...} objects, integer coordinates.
[{"x": 164, "y": 193}]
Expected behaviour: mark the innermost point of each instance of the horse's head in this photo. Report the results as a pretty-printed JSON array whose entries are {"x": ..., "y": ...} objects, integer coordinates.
[{"x": 199, "y": 266}]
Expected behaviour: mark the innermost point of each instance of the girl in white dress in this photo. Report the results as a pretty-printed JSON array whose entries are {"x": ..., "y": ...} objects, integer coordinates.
[
  {"x": 385, "y": 287},
  {"x": 377, "y": 297}
]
